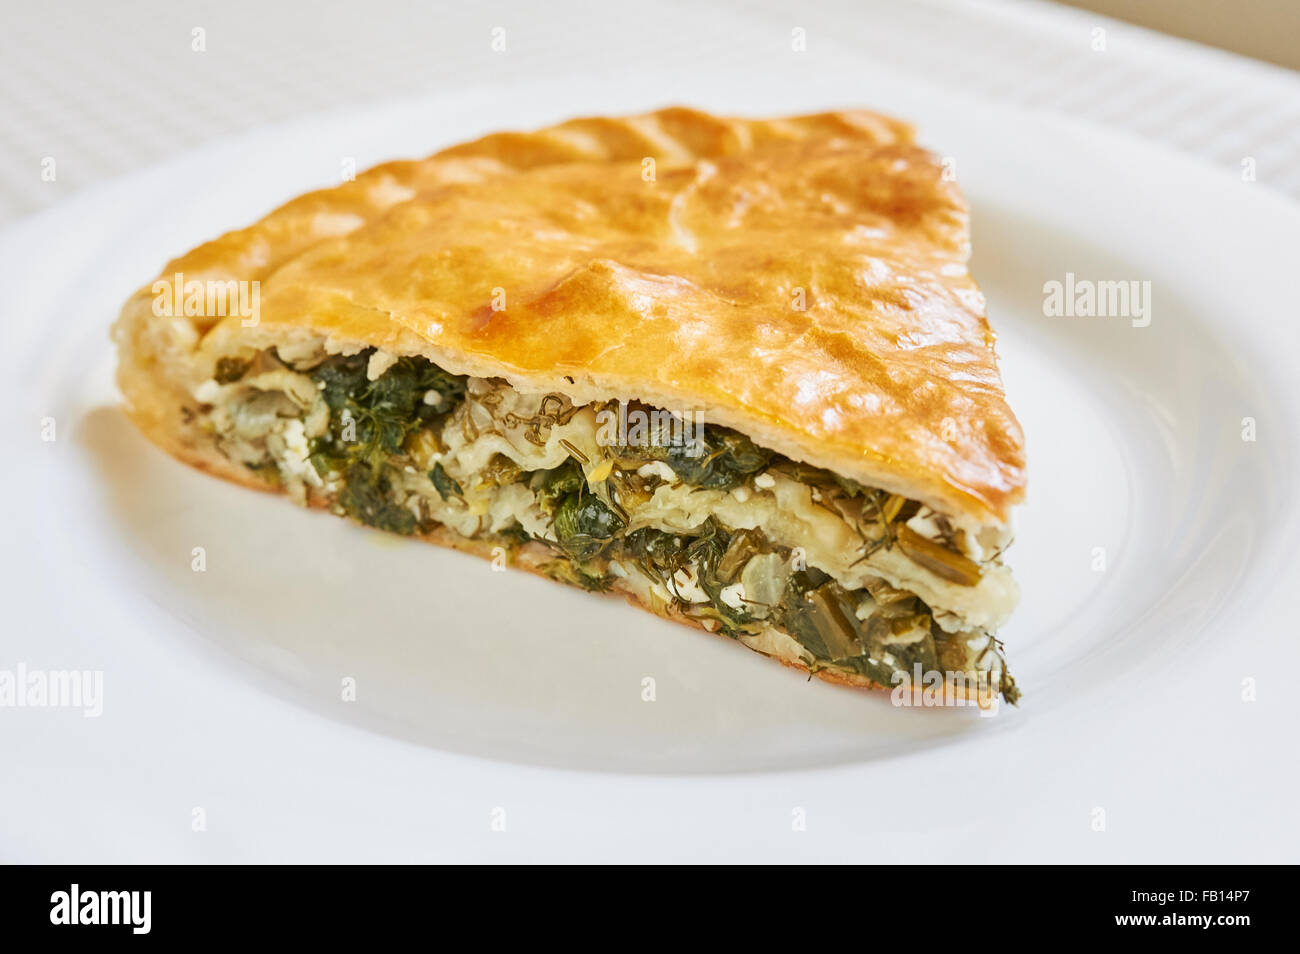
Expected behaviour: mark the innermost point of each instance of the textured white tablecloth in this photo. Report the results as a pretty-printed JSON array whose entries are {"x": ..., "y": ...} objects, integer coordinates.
[{"x": 105, "y": 88}]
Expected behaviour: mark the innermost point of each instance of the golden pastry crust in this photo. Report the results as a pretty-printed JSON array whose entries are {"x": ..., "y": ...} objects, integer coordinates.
[{"x": 800, "y": 280}]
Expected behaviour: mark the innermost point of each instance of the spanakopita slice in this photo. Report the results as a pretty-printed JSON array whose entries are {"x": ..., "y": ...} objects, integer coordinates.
[{"x": 734, "y": 370}]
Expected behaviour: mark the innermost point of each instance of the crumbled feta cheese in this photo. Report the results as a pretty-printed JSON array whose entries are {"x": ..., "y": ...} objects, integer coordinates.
[
  {"x": 733, "y": 595},
  {"x": 687, "y": 586},
  {"x": 297, "y": 452},
  {"x": 380, "y": 362},
  {"x": 765, "y": 481},
  {"x": 926, "y": 524},
  {"x": 741, "y": 494},
  {"x": 657, "y": 468},
  {"x": 207, "y": 392},
  {"x": 948, "y": 622},
  {"x": 431, "y": 397}
]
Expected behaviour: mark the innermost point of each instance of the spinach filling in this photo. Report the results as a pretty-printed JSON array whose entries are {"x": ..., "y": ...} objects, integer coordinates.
[
  {"x": 816, "y": 611},
  {"x": 723, "y": 460},
  {"x": 370, "y": 421},
  {"x": 370, "y": 425},
  {"x": 375, "y": 429},
  {"x": 583, "y": 523},
  {"x": 812, "y": 608}
]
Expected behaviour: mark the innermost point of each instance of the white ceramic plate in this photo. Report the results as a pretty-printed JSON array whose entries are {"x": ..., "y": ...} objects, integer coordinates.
[{"x": 486, "y": 697}]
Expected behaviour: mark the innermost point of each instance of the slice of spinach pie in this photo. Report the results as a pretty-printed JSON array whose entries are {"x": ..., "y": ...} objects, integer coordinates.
[{"x": 732, "y": 369}]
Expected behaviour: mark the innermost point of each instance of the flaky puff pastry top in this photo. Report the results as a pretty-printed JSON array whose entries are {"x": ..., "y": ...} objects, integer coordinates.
[{"x": 801, "y": 280}]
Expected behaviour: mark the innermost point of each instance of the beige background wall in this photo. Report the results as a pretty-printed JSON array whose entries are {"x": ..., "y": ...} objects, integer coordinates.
[{"x": 1265, "y": 29}]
